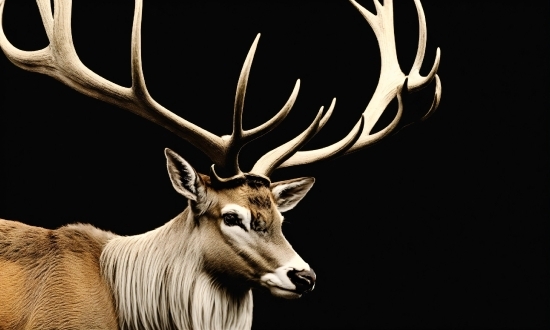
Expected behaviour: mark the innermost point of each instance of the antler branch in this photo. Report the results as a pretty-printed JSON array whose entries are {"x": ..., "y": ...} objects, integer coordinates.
[
  {"x": 239, "y": 137},
  {"x": 60, "y": 61},
  {"x": 273, "y": 159},
  {"x": 389, "y": 86}
]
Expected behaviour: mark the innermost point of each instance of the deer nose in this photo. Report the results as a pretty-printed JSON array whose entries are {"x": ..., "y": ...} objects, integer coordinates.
[{"x": 303, "y": 279}]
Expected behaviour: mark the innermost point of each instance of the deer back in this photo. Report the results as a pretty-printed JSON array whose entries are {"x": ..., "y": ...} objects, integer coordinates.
[{"x": 50, "y": 279}]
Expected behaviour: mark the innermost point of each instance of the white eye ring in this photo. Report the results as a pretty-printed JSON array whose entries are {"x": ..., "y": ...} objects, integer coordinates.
[
  {"x": 236, "y": 215},
  {"x": 232, "y": 219}
]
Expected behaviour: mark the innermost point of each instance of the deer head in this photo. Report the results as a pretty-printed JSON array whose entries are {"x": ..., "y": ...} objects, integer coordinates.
[{"x": 237, "y": 224}]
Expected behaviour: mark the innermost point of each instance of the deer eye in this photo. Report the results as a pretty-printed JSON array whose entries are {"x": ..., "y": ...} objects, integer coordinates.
[{"x": 232, "y": 219}]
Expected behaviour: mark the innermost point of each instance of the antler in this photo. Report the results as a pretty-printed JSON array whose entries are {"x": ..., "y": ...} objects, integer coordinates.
[
  {"x": 60, "y": 61},
  {"x": 392, "y": 81}
]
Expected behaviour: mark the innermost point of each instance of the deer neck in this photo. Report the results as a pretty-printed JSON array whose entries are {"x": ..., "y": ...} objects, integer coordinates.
[{"x": 159, "y": 282}]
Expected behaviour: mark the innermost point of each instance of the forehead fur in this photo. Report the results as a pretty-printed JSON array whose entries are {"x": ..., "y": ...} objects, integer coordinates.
[
  {"x": 249, "y": 193},
  {"x": 248, "y": 196}
]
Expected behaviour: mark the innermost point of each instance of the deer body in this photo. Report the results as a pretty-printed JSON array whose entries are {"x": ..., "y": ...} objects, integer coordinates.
[
  {"x": 196, "y": 271},
  {"x": 167, "y": 286},
  {"x": 62, "y": 269},
  {"x": 47, "y": 273}
]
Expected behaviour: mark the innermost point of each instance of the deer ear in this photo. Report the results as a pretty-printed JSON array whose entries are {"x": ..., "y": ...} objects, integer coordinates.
[
  {"x": 183, "y": 176},
  {"x": 289, "y": 192}
]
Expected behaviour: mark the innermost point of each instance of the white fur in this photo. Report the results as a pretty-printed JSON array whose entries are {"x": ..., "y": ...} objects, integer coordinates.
[
  {"x": 288, "y": 194},
  {"x": 278, "y": 281},
  {"x": 159, "y": 283},
  {"x": 241, "y": 211},
  {"x": 181, "y": 174}
]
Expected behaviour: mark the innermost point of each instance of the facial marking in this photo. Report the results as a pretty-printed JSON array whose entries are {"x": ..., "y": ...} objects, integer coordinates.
[
  {"x": 242, "y": 212},
  {"x": 278, "y": 280},
  {"x": 297, "y": 263},
  {"x": 258, "y": 223}
]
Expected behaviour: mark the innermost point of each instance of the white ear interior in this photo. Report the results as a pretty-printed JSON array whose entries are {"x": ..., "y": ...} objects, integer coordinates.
[
  {"x": 288, "y": 193},
  {"x": 182, "y": 175}
]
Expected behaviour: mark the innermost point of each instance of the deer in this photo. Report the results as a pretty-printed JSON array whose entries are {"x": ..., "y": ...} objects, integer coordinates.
[{"x": 197, "y": 271}]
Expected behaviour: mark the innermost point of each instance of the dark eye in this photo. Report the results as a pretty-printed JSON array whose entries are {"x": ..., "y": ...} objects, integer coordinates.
[{"x": 231, "y": 219}]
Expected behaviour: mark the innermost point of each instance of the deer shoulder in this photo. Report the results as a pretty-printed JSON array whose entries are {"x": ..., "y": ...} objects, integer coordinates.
[{"x": 57, "y": 269}]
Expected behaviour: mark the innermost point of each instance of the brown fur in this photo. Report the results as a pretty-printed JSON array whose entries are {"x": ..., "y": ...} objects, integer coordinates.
[
  {"x": 51, "y": 279},
  {"x": 45, "y": 274},
  {"x": 249, "y": 263}
]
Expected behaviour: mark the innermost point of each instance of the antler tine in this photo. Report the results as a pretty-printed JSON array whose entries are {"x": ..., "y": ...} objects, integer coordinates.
[
  {"x": 436, "y": 100},
  {"x": 241, "y": 91},
  {"x": 336, "y": 150},
  {"x": 256, "y": 132},
  {"x": 327, "y": 115},
  {"x": 212, "y": 145},
  {"x": 271, "y": 160},
  {"x": 45, "y": 9},
  {"x": 342, "y": 147},
  {"x": 389, "y": 85},
  {"x": 28, "y": 60},
  {"x": 239, "y": 137},
  {"x": 416, "y": 81}
]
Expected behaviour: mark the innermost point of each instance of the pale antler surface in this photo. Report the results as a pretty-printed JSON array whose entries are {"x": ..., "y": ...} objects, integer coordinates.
[
  {"x": 389, "y": 86},
  {"x": 59, "y": 60}
]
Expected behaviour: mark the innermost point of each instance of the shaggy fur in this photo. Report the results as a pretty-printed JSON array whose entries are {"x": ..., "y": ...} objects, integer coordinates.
[
  {"x": 159, "y": 282},
  {"x": 154, "y": 285},
  {"x": 195, "y": 272}
]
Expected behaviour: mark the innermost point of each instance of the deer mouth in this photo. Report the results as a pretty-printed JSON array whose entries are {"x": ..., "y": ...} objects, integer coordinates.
[
  {"x": 284, "y": 293},
  {"x": 279, "y": 288}
]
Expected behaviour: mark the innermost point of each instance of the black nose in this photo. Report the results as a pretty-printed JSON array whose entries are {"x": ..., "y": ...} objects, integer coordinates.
[{"x": 304, "y": 280}]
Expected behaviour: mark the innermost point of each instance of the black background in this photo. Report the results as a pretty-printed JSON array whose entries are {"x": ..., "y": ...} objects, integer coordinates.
[{"x": 444, "y": 225}]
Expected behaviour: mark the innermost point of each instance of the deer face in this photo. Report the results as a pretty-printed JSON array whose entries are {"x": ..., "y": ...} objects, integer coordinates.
[{"x": 239, "y": 229}]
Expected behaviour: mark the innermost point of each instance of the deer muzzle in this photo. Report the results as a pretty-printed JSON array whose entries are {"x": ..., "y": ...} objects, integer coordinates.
[{"x": 304, "y": 280}]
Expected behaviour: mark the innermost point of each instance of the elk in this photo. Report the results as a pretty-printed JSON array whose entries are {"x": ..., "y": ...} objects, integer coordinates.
[{"x": 197, "y": 270}]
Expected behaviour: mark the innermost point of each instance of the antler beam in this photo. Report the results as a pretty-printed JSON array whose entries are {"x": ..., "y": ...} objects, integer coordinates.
[{"x": 60, "y": 61}]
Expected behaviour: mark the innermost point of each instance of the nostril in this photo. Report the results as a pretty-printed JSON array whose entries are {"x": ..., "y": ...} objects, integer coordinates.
[{"x": 304, "y": 279}]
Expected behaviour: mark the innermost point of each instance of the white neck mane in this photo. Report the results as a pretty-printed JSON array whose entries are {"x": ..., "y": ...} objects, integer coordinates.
[{"x": 158, "y": 282}]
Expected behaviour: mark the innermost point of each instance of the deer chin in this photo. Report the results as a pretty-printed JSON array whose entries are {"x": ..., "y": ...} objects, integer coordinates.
[
  {"x": 284, "y": 293},
  {"x": 279, "y": 288},
  {"x": 279, "y": 284}
]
